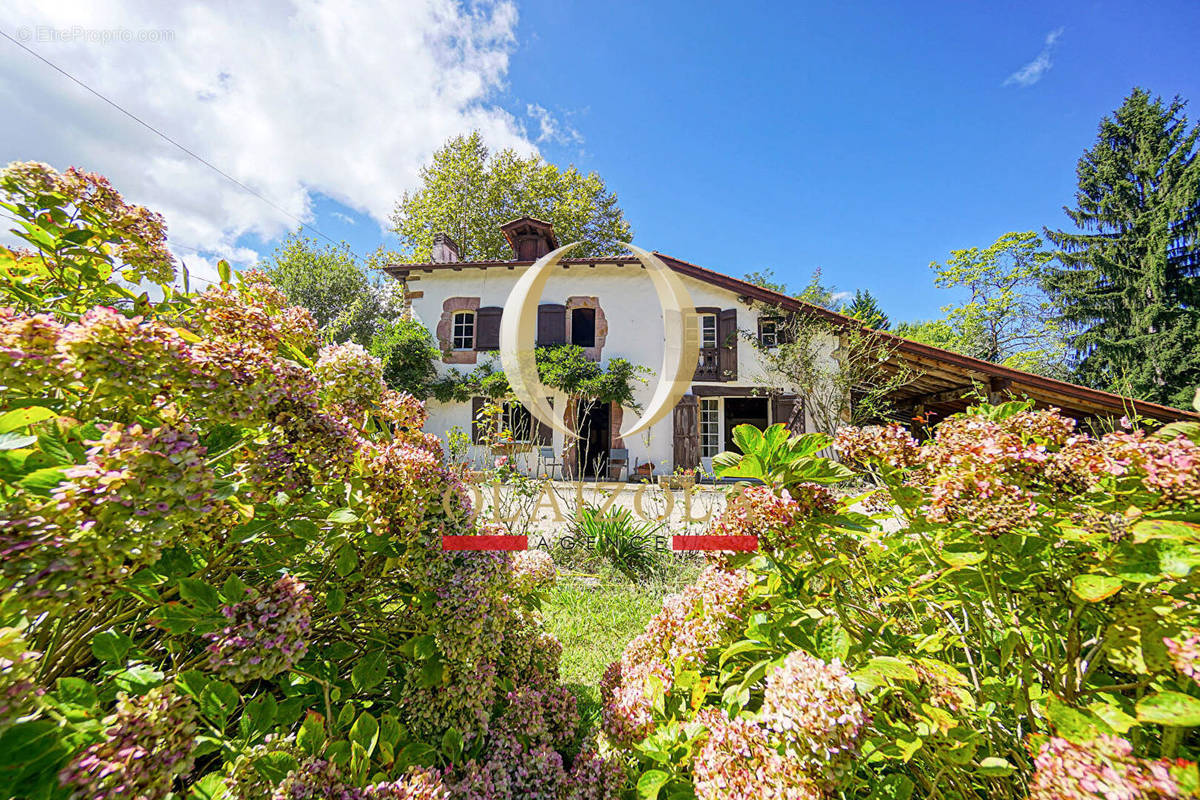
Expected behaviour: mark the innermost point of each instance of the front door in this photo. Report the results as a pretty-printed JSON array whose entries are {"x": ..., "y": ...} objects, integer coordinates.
[
  {"x": 591, "y": 450},
  {"x": 743, "y": 411}
]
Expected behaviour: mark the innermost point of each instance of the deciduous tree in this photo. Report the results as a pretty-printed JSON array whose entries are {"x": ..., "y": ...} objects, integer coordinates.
[
  {"x": 468, "y": 192},
  {"x": 1006, "y": 317}
]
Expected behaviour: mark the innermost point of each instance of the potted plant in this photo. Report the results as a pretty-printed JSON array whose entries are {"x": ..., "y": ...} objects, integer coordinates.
[{"x": 683, "y": 478}]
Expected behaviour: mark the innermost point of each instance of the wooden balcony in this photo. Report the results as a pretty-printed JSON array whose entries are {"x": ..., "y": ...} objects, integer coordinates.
[{"x": 709, "y": 366}]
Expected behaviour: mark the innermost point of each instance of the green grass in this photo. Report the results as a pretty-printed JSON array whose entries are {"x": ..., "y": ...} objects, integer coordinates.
[{"x": 594, "y": 620}]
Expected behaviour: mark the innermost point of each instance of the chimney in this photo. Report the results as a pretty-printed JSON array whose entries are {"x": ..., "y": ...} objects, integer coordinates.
[
  {"x": 530, "y": 238},
  {"x": 445, "y": 250}
]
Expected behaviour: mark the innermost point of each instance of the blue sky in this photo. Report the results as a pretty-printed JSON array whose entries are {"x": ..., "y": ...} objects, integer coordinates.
[
  {"x": 863, "y": 138},
  {"x": 866, "y": 139}
]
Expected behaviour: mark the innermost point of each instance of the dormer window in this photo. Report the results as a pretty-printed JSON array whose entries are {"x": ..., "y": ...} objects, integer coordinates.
[{"x": 464, "y": 330}]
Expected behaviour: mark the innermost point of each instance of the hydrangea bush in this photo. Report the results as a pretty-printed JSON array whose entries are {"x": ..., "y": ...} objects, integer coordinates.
[
  {"x": 221, "y": 571},
  {"x": 1013, "y": 615}
]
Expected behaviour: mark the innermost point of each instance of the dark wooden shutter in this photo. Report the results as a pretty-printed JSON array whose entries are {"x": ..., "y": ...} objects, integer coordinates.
[
  {"x": 544, "y": 435},
  {"x": 687, "y": 433},
  {"x": 476, "y": 422},
  {"x": 788, "y": 409},
  {"x": 727, "y": 336},
  {"x": 552, "y": 324},
  {"x": 487, "y": 328}
]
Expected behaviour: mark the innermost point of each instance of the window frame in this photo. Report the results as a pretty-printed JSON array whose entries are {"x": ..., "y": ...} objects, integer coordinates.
[
  {"x": 710, "y": 407},
  {"x": 704, "y": 318},
  {"x": 763, "y": 322},
  {"x": 456, "y": 335},
  {"x": 586, "y": 310}
]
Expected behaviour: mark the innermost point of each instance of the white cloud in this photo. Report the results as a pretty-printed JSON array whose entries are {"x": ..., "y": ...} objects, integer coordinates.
[
  {"x": 346, "y": 218},
  {"x": 551, "y": 128},
  {"x": 292, "y": 98},
  {"x": 1032, "y": 72}
]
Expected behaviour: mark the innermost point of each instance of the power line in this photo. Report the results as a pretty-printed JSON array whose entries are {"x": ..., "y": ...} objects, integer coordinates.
[{"x": 154, "y": 130}]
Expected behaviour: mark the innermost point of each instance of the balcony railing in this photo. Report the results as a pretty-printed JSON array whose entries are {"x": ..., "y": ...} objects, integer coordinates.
[{"x": 709, "y": 366}]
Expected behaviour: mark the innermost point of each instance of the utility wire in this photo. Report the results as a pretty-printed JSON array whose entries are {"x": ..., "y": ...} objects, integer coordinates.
[{"x": 154, "y": 130}]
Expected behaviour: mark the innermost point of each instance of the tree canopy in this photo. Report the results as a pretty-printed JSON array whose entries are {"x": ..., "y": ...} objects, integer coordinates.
[
  {"x": 344, "y": 298},
  {"x": 1006, "y": 317},
  {"x": 350, "y": 305},
  {"x": 1128, "y": 284},
  {"x": 467, "y": 191}
]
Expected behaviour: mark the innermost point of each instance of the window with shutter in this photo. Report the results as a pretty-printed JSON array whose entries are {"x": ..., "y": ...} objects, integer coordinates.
[
  {"x": 768, "y": 331},
  {"x": 464, "y": 330},
  {"x": 552, "y": 324},
  {"x": 487, "y": 328},
  {"x": 727, "y": 335}
]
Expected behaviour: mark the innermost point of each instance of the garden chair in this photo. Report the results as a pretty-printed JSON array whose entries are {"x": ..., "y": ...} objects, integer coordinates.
[
  {"x": 618, "y": 459},
  {"x": 549, "y": 460}
]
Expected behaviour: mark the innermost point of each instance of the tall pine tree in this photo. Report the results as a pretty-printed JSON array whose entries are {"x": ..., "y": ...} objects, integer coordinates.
[
  {"x": 865, "y": 307},
  {"x": 1128, "y": 287}
]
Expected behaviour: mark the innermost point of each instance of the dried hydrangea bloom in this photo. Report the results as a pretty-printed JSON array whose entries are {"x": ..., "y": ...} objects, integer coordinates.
[
  {"x": 737, "y": 762},
  {"x": 539, "y": 716},
  {"x": 18, "y": 676},
  {"x": 138, "y": 236},
  {"x": 244, "y": 781},
  {"x": 403, "y": 410},
  {"x": 412, "y": 496},
  {"x": 264, "y": 634},
  {"x": 128, "y": 361},
  {"x": 417, "y": 784},
  {"x": 814, "y": 706},
  {"x": 677, "y": 637},
  {"x": 148, "y": 744},
  {"x": 29, "y": 359},
  {"x": 1102, "y": 768},
  {"x": 1185, "y": 654},
  {"x": 254, "y": 314},
  {"x": 1048, "y": 427},
  {"x": 890, "y": 445},
  {"x": 315, "y": 779},
  {"x": 594, "y": 777},
  {"x": 532, "y": 571},
  {"x": 126, "y": 501},
  {"x": 350, "y": 377}
]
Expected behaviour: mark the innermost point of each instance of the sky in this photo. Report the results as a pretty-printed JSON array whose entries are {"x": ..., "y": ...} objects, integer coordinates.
[{"x": 865, "y": 139}]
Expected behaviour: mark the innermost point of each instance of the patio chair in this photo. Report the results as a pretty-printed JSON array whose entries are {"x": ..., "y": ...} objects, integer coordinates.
[
  {"x": 618, "y": 459},
  {"x": 549, "y": 460}
]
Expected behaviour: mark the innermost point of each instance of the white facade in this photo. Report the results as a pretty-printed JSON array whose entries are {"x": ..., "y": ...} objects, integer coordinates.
[{"x": 631, "y": 309}]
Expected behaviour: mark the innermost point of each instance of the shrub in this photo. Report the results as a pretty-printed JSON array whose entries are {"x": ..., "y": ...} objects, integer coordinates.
[
  {"x": 628, "y": 545},
  {"x": 1029, "y": 630},
  {"x": 220, "y": 548}
]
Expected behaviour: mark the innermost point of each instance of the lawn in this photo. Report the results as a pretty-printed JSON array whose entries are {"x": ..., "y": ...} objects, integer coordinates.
[{"x": 594, "y": 617}]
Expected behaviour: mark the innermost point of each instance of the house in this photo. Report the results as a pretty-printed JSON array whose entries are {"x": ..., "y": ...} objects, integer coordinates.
[{"x": 606, "y": 305}]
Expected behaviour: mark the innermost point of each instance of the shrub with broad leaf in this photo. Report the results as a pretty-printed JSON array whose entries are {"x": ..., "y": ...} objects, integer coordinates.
[
  {"x": 221, "y": 571},
  {"x": 1018, "y": 617}
]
